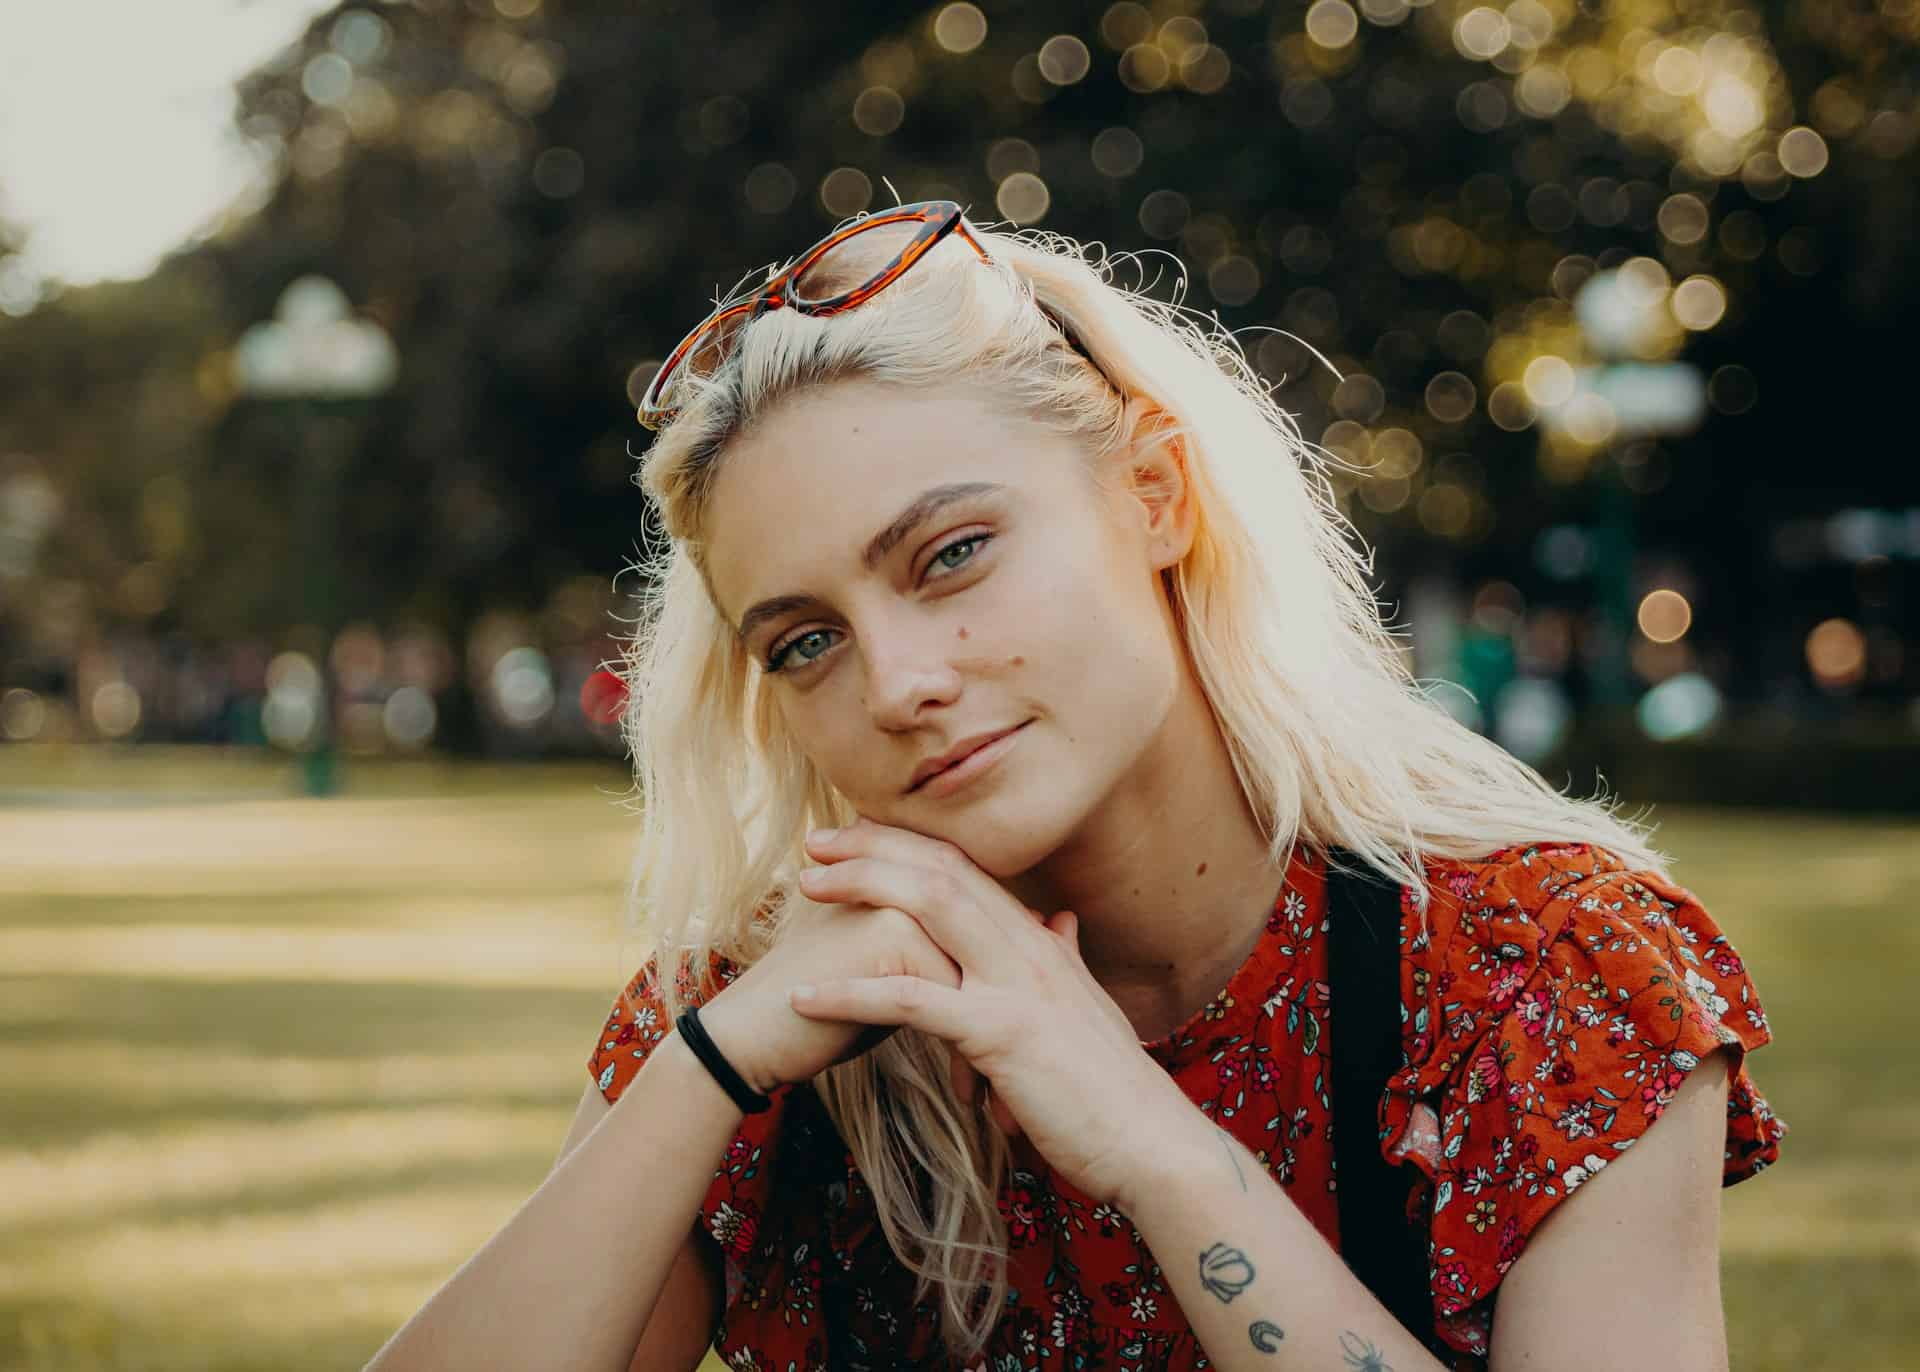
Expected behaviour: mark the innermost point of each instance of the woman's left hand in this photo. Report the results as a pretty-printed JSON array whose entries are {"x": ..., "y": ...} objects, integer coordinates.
[{"x": 1061, "y": 1056}]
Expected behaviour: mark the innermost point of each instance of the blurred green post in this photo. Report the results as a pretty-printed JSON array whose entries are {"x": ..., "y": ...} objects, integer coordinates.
[
  {"x": 1613, "y": 552},
  {"x": 325, "y": 368}
]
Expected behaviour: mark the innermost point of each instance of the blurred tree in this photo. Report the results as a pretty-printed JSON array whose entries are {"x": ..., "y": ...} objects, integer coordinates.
[{"x": 536, "y": 197}]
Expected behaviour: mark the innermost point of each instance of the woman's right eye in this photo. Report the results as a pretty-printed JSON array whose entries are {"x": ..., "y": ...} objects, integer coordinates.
[{"x": 777, "y": 659}]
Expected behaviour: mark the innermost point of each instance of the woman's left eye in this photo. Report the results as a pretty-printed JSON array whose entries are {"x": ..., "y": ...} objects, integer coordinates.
[{"x": 944, "y": 557}]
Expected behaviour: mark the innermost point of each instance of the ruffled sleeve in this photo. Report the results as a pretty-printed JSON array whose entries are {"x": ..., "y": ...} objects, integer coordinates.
[
  {"x": 1553, "y": 1008},
  {"x": 637, "y": 1022}
]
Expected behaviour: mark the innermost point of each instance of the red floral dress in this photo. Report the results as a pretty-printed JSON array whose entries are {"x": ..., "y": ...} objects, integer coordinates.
[{"x": 1549, "y": 1018}]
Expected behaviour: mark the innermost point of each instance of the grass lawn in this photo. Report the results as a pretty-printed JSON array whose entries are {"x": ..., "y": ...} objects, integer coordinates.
[{"x": 270, "y": 1067}]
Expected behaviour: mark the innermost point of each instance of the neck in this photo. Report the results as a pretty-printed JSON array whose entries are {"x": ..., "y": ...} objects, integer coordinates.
[{"x": 1171, "y": 876}]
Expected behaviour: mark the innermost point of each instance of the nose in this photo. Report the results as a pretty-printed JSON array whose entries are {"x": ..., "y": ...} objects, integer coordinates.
[{"x": 908, "y": 668}]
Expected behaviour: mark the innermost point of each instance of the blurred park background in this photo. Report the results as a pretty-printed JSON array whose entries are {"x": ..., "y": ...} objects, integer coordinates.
[{"x": 321, "y": 327}]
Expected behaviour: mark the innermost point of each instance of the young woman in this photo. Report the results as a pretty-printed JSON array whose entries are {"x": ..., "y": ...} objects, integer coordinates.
[{"x": 1008, "y": 691}]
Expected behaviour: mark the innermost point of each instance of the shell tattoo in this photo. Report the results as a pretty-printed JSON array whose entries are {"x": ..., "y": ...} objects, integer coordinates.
[{"x": 1225, "y": 1272}]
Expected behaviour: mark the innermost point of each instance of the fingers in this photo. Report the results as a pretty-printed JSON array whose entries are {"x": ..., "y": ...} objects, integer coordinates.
[
  {"x": 944, "y": 905},
  {"x": 866, "y": 838},
  {"x": 926, "y": 1005}
]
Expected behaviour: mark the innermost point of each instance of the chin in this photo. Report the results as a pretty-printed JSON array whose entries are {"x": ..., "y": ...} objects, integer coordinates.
[{"x": 1005, "y": 842}]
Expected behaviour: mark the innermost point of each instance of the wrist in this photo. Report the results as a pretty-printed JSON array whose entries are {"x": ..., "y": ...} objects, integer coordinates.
[
  {"x": 732, "y": 1044},
  {"x": 676, "y": 1050},
  {"x": 1184, "y": 1144}
]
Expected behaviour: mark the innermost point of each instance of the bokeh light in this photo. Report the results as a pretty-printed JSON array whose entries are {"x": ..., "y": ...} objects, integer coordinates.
[
  {"x": 1664, "y": 616},
  {"x": 1549, "y": 381},
  {"x": 1802, "y": 152},
  {"x": 960, "y": 28},
  {"x": 1117, "y": 151},
  {"x": 522, "y": 686},
  {"x": 845, "y": 191},
  {"x": 603, "y": 696},
  {"x": 878, "y": 111},
  {"x": 1531, "y": 717},
  {"x": 1124, "y": 24},
  {"x": 1332, "y": 23},
  {"x": 1064, "y": 59},
  {"x": 409, "y": 718},
  {"x": 1837, "y": 654},
  {"x": 293, "y": 714},
  {"x": 23, "y": 714},
  {"x": 1699, "y": 303},
  {"x": 1682, "y": 706},
  {"x": 1023, "y": 198}
]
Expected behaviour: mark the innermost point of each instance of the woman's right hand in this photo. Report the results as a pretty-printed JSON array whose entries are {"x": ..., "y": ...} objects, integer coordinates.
[{"x": 755, "y": 1028}]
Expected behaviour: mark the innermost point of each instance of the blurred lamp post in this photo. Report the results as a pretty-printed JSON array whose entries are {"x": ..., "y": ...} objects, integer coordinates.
[
  {"x": 324, "y": 367},
  {"x": 1626, "y": 313}
]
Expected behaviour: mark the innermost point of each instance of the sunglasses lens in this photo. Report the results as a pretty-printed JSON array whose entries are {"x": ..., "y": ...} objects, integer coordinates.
[
  {"x": 706, "y": 354},
  {"x": 853, "y": 261},
  {"x": 712, "y": 348}
]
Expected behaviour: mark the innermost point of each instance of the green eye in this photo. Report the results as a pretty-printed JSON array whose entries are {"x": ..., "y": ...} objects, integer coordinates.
[
  {"x": 944, "y": 559},
  {"x": 776, "y": 660},
  {"x": 955, "y": 555}
]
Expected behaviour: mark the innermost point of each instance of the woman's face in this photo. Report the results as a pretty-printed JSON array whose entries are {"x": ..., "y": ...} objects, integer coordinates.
[{"x": 916, "y": 569}]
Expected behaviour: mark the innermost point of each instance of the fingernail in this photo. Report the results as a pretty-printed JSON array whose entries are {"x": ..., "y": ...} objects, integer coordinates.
[
  {"x": 809, "y": 875},
  {"x": 822, "y": 836},
  {"x": 800, "y": 992}
]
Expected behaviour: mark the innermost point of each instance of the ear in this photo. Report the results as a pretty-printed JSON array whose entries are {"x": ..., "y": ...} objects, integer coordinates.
[{"x": 1158, "y": 480}]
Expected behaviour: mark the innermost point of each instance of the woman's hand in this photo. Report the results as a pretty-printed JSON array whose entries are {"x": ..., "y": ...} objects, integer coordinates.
[
  {"x": 1062, "y": 1059},
  {"x": 758, "y": 1031}
]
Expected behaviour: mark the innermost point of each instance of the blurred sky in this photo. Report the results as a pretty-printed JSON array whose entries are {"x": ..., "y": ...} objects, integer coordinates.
[{"x": 116, "y": 130}]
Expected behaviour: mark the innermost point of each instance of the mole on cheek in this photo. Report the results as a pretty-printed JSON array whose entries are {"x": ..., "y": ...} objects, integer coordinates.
[
  {"x": 963, "y": 631},
  {"x": 1016, "y": 661},
  {"x": 1201, "y": 870}
]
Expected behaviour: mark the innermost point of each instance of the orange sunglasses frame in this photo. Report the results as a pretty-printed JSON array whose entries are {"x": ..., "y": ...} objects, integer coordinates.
[{"x": 937, "y": 219}]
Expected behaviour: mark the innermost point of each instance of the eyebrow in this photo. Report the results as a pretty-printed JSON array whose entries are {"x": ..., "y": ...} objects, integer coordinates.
[{"x": 917, "y": 512}]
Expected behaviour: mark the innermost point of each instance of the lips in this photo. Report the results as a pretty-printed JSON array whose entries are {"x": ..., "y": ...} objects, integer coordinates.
[{"x": 958, "y": 753}]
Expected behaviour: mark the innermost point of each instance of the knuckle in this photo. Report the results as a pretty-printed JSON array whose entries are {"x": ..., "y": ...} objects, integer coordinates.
[{"x": 899, "y": 928}]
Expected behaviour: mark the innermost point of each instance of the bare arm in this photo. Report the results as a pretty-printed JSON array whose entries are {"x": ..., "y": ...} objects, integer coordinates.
[
  {"x": 679, "y": 1334},
  {"x": 572, "y": 1280},
  {"x": 1636, "y": 1266}
]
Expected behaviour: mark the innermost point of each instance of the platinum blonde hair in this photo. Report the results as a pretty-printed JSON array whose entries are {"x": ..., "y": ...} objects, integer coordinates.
[{"x": 1334, "y": 742}]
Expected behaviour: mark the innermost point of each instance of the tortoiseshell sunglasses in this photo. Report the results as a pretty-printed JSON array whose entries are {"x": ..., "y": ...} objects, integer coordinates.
[{"x": 917, "y": 227}]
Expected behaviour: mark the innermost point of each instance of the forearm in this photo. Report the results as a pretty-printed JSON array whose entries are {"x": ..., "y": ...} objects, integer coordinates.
[
  {"x": 1260, "y": 1286},
  {"x": 571, "y": 1280}
]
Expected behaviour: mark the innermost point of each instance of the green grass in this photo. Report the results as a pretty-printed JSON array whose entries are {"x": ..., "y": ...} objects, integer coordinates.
[{"x": 270, "y": 1068}]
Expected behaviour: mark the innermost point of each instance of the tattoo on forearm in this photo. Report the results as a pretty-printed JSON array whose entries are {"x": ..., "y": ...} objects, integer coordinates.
[
  {"x": 1225, "y": 1272},
  {"x": 1227, "y": 1143},
  {"x": 1266, "y": 1335},
  {"x": 1362, "y": 1354}
]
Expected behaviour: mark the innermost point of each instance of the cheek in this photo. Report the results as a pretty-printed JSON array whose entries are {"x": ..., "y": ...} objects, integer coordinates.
[{"x": 1059, "y": 595}]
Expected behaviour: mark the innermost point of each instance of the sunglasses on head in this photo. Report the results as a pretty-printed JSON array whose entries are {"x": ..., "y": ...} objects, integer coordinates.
[{"x": 815, "y": 283}]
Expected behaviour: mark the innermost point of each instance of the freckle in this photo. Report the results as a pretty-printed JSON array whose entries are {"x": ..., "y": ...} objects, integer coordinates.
[
  {"x": 1201, "y": 870},
  {"x": 1016, "y": 661},
  {"x": 963, "y": 631}
]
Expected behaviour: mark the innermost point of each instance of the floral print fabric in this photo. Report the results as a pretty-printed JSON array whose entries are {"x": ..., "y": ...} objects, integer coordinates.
[{"x": 1550, "y": 1010}]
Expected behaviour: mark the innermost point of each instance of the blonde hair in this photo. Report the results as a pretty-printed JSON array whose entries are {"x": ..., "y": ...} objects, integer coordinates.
[{"x": 1336, "y": 745}]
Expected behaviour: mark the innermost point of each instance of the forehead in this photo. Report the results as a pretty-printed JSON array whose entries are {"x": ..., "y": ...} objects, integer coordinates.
[{"x": 800, "y": 493}]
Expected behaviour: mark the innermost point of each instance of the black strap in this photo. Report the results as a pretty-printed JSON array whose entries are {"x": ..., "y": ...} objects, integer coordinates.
[
  {"x": 694, "y": 1034},
  {"x": 1363, "y": 954}
]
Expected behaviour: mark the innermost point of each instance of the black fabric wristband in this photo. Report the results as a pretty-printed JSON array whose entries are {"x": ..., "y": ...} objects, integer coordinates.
[{"x": 694, "y": 1035}]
